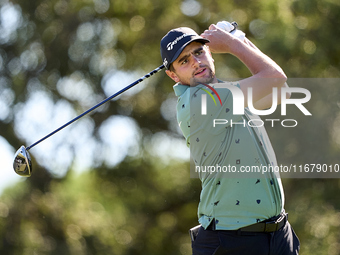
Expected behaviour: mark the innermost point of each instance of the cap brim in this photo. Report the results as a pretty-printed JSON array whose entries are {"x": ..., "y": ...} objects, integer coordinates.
[{"x": 179, "y": 51}]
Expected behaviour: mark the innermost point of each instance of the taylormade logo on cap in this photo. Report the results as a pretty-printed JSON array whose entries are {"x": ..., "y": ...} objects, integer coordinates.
[
  {"x": 165, "y": 62},
  {"x": 170, "y": 45},
  {"x": 175, "y": 41}
]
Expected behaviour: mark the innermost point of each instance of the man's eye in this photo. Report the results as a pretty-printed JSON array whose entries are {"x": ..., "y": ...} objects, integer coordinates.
[
  {"x": 198, "y": 53},
  {"x": 184, "y": 62}
]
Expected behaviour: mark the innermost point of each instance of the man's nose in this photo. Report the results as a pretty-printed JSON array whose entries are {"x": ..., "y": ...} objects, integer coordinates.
[{"x": 196, "y": 60}]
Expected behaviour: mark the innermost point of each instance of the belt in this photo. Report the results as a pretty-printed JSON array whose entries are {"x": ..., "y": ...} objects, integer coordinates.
[{"x": 269, "y": 225}]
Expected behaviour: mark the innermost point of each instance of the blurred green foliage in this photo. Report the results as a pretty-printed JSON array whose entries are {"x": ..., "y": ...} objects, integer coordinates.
[{"x": 146, "y": 203}]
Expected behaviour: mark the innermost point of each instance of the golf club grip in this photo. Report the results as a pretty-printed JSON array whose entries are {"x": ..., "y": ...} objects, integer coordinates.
[{"x": 99, "y": 104}]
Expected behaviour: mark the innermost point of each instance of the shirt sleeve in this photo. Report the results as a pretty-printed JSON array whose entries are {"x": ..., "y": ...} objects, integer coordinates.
[{"x": 219, "y": 108}]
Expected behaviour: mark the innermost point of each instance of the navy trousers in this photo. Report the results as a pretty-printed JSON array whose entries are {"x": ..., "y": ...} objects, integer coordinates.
[{"x": 220, "y": 242}]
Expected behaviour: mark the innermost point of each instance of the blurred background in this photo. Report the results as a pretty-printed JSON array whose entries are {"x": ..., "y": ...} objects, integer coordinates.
[{"x": 117, "y": 181}]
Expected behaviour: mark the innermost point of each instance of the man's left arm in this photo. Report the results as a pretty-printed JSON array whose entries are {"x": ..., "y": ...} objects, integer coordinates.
[
  {"x": 266, "y": 102},
  {"x": 266, "y": 74}
]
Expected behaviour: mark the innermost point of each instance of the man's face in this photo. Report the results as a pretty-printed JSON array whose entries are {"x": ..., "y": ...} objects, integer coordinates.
[{"x": 194, "y": 66}]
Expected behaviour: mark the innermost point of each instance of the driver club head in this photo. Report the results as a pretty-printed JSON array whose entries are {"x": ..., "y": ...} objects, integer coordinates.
[{"x": 22, "y": 162}]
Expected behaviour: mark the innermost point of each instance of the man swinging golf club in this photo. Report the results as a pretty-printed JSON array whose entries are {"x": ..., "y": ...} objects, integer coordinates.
[{"x": 237, "y": 215}]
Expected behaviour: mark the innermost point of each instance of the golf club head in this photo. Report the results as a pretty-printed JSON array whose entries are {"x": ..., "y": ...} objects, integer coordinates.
[{"x": 22, "y": 162}]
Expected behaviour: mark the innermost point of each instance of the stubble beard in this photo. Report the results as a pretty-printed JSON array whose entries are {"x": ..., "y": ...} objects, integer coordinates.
[{"x": 194, "y": 81}]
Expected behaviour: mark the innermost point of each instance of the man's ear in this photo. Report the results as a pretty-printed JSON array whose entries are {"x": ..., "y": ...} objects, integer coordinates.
[{"x": 172, "y": 75}]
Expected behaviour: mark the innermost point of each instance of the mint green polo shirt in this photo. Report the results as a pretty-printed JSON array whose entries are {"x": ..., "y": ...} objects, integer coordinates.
[{"x": 234, "y": 201}]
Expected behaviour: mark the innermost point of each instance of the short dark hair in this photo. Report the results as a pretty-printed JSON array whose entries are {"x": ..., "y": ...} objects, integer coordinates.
[{"x": 171, "y": 68}]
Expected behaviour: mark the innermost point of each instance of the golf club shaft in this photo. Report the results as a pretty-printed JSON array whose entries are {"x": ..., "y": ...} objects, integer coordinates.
[{"x": 97, "y": 105}]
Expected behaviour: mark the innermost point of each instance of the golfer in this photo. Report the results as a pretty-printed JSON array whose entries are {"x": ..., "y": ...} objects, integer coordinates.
[{"x": 237, "y": 215}]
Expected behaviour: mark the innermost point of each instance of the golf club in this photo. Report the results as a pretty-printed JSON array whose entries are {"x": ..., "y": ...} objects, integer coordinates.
[{"x": 22, "y": 161}]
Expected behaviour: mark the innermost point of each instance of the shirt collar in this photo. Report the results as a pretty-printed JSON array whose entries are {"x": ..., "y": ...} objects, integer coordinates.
[{"x": 180, "y": 89}]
